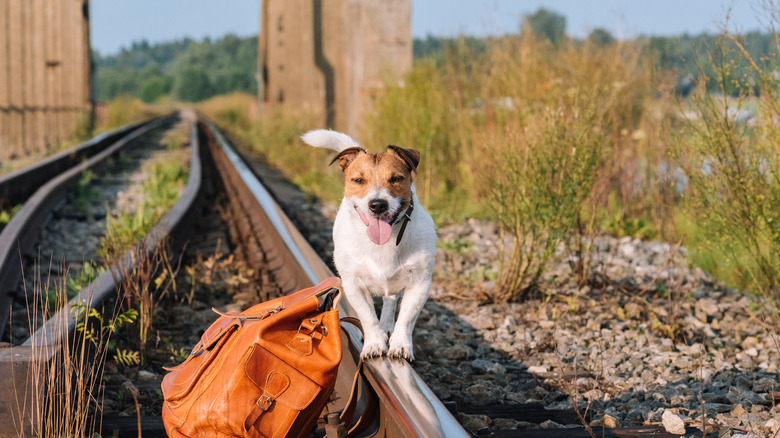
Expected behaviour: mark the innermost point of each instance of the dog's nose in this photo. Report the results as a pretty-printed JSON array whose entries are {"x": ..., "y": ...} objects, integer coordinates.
[{"x": 377, "y": 206}]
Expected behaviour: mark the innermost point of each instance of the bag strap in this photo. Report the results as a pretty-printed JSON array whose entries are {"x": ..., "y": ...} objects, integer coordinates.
[{"x": 371, "y": 409}]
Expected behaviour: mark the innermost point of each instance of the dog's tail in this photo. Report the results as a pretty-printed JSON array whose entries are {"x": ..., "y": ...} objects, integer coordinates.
[{"x": 326, "y": 138}]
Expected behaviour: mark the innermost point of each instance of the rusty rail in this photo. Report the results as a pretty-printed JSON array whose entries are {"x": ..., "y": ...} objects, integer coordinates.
[
  {"x": 408, "y": 408},
  {"x": 24, "y": 383},
  {"x": 17, "y": 186}
]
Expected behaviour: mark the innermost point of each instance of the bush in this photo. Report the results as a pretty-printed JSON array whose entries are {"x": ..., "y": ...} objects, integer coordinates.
[
  {"x": 192, "y": 85},
  {"x": 124, "y": 110},
  {"x": 518, "y": 132},
  {"x": 733, "y": 171},
  {"x": 154, "y": 88}
]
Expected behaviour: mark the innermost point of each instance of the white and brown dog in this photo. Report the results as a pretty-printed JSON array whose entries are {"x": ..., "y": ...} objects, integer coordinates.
[{"x": 384, "y": 241}]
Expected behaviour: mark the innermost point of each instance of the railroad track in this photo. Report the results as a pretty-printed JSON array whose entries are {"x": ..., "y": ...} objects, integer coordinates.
[{"x": 269, "y": 241}]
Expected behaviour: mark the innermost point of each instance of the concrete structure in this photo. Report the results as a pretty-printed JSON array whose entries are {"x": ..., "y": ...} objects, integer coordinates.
[
  {"x": 45, "y": 74},
  {"x": 328, "y": 58}
]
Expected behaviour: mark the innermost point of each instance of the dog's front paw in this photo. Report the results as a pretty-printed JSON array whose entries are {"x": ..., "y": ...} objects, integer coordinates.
[
  {"x": 401, "y": 349},
  {"x": 373, "y": 349},
  {"x": 374, "y": 344}
]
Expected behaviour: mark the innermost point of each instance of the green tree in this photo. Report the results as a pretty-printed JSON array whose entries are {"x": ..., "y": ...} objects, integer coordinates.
[
  {"x": 153, "y": 88},
  {"x": 600, "y": 37},
  {"x": 547, "y": 24},
  {"x": 192, "y": 85},
  {"x": 234, "y": 80}
]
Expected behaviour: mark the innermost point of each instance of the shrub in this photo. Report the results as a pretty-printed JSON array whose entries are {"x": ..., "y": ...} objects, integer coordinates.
[
  {"x": 518, "y": 132},
  {"x": 733, "y": 171},
  {"x": 153, "y": 88},
  {"x": 124, "y": 110}
]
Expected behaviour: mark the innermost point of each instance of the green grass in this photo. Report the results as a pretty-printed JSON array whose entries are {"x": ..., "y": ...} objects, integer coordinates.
[
  {"x": 160, "y": 192},
  {"x": 7, "y": 215}
]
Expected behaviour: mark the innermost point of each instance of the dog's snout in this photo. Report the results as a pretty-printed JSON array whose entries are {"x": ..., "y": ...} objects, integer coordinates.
[{"x": 377, "y": 206}]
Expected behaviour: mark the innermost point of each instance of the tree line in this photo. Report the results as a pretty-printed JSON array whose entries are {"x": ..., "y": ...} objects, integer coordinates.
[
  {"x": 191, "y": 71},
  {"x": 185, "y": 70}
]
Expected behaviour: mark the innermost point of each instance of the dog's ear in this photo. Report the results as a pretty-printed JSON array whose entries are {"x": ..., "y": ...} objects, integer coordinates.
[
  {"x": 346, "y": 157},
  {"x": 410, "y": 156}
]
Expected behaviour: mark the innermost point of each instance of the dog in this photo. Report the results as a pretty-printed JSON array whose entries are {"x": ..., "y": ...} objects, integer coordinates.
[{"x": 384, "y": 241}]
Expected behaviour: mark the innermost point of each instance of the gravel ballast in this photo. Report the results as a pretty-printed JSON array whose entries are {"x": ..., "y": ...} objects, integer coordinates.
[{"x": 651, "y": 341}]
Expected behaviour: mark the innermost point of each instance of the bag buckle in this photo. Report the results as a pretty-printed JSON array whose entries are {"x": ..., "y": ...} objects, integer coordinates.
[{"x": 264, "y": 402}]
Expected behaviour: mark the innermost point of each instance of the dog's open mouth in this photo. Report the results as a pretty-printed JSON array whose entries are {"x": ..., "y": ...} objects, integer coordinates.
[{"x": 380, "y": 229}]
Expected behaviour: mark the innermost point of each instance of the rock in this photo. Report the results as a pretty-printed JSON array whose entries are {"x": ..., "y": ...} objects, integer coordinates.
[
  {"x": 610, "y": 422},
  {"x": 764, "y": 384},
  {"x": 639, "y": 414},
  {"x": 737, "y": 395},
  {"x": 474, "y": 422},
  {"x": 537, "y": 369},
  {"x": 456, "y": 352},
  {"x": 507, "y": 423},
  {"x": 549, "y": 424},
  {"x": 738, "y": 411},
  {"x": 706, "y": 307},
  {"x": 672, "y": 423},
  {"x": 773, "y": 425},
  {"x": 717, "y": 407},
  {"x": 632, "y": 310},
  {"x": 147, "y": 376},
  {"x": 482, "y": 323},
  {"x": 486, "y": 366},
  {"x": 483, "y": 395}
]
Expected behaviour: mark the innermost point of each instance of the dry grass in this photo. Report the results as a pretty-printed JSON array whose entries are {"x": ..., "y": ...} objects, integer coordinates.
[
  {"x": 277, "y": 137},
  {"x": 63, "y": 396},
  {"x": 733, "y": 172}
]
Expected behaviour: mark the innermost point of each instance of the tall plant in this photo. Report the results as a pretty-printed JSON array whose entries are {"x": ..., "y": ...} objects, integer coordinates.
[
  {"x": 545, "y": 144},
  {"x": 539, "y": 176},
  {"x": 732, "y": 163}
]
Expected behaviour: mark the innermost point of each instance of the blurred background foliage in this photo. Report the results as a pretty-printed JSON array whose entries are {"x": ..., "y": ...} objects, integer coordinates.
[
  {"x": 184, "y": 70},
  {"x": 191, "y": 71},
  {"x": 555, "y": 138}
]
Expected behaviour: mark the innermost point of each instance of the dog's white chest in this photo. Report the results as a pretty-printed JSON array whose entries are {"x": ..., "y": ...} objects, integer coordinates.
[{"x": 383, "y": 269}]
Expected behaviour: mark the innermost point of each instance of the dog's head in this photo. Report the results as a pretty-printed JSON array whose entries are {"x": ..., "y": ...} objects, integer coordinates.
[{"x": 378, "y": 186}]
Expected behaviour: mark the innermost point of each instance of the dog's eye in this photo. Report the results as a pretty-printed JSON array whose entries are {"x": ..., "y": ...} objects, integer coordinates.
[
  {"x": 395, "y": 179},
  {"x": 358, "y": 180}
]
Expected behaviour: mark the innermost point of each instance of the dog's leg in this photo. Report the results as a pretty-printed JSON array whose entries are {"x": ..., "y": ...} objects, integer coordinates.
[
  {"x": 411, "y": 305},
  {"x": 387, "y": 319},
  {"x": 374, "y": 338}
]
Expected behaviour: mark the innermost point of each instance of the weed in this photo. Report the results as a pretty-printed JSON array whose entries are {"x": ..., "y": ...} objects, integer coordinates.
[
  {"x": 734, "y": 173},
  {"x": 217, "y": 272},
  {"x": 83, "y": 193},
  {"x": 7, "y": 215},
  {"x": 75, "y": 282},
  {"x": 127, "y": 358},
  {"x": 161, "y": 190},
  {"x": 456, "y": 246},
  {"x": 124, "y": 110},
  {"x": 64, "y": 390},
  {"x": 143, "y": 279},
  {"x": 178, "y": 356}
]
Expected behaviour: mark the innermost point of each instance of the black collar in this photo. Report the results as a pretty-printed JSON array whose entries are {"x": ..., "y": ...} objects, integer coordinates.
[{"x": 407, "y": 218}]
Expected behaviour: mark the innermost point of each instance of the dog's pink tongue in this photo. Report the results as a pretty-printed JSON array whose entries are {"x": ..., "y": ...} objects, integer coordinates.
[{"x": 379, "y": 231}]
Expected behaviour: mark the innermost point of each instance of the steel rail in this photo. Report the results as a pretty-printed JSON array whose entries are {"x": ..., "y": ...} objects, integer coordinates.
[
  {"x": 408, "y": 407},
  {"x": 17, "y": 186},
  {"x": 21, "y": 232},
  {"x": 24, "y": 376}
]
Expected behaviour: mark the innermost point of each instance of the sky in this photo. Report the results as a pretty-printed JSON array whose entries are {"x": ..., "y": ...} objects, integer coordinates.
[{"x": 115, "y": 24}]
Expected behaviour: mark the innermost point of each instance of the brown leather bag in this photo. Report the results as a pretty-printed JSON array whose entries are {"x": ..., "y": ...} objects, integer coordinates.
[{"x": 266, "y": 372}]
